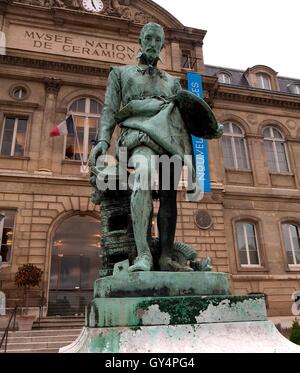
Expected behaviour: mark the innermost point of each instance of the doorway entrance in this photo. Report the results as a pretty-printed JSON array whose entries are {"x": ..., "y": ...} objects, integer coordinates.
[{"x": 75, "y": 264}]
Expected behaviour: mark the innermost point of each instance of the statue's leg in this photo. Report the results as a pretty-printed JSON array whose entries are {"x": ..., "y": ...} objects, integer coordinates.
[
  {"x": 141, "y": 208},
  {"x": 167, "y": 221}
]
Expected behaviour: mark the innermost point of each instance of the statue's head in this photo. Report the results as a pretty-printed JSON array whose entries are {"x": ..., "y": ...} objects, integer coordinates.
[{"x": 152, "y": 39}]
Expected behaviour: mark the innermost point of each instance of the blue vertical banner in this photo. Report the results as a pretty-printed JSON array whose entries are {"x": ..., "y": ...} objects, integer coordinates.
[{"x": 200, "y": 146}]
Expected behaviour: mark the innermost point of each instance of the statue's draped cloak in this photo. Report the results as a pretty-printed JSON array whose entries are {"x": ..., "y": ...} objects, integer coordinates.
[{"x": 147, "y": 109}]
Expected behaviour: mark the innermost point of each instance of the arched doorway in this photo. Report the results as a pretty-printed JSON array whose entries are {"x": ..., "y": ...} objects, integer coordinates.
[{"x": 75, "y": 264}]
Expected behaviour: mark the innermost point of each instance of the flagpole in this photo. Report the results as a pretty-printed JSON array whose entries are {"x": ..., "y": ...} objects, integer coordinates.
[{"x": 77, "y": 141}]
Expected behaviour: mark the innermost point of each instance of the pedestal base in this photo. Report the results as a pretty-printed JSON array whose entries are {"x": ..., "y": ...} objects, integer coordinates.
[
  {"x": 162, "y": 312},
  {"x": 240, "y": 337}
]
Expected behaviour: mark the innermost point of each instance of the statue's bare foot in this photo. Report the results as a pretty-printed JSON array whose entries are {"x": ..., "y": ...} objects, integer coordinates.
[
  {"x": 167, "y": 264},
  {"x": 142, "y": 264}
]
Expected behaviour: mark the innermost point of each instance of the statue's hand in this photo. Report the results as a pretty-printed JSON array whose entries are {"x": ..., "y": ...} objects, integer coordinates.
[{"x": 99, "y": 150}]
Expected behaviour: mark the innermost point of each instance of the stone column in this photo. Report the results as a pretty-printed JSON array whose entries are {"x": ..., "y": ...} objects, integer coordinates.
[
  {"x": 52, "y": 87},
  {"x": 176, "y": 56},
  {"x": 199, "y": 59},
  {"x": 258, "y": 158},
  {"x": 214, "y": 158}
]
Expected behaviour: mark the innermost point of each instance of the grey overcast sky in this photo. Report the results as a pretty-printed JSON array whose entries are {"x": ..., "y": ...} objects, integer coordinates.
[{"x": 245, "y": 33}]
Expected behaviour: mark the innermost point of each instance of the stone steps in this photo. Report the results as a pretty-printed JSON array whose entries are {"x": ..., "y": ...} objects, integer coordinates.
[
  {"x": 34, "y": 346},
  {"x": 38, "y": 351},
  {"x": 38, "y": 339},
  {"x": 57, "y": 323},
  {"x": 53, "y": 334},
  {"x": 47, "y": 333}
]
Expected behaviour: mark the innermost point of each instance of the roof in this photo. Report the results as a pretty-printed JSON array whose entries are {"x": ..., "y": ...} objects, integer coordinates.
[{"x": 237, "y": 78}]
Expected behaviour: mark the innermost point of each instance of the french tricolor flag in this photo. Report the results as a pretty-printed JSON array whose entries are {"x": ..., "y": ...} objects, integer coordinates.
[{"x": 64, "y": 128}]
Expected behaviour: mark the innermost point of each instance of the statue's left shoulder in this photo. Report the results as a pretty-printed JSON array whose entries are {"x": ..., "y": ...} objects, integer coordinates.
[{"x": 175, "y": 80}]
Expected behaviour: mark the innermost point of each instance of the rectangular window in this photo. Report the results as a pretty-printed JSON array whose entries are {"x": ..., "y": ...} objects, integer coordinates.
[
  {"x": 228, "y": 152},
  {"x": 263, "y": 81},
  {"x": 7, "y": 222},
  {"x": 282, "y": 159},
  {"x": 13, "y": 137},
  {"x": 269, "y": 150},
  {"x": 187, "y": 60},
  {"x": 241, "y": 155},
  {"x": 248, "y": 245},
  {"x": 292, "y": 243}
]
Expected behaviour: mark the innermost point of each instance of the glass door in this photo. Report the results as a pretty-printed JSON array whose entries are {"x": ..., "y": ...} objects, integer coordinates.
[{"x": 75, "y": 264}]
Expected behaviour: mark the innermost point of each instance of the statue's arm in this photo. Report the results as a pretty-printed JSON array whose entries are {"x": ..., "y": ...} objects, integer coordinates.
[
  {"x": 111, "y": 107},
  {"x": 177, "y": 86}
]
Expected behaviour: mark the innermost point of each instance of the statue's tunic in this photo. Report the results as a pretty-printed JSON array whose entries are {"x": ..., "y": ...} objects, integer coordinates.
[{"x": 148, "y": 115}]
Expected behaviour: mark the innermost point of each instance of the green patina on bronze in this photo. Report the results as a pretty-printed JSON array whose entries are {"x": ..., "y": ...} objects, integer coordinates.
[
  {"x": 186, "y": 310},
  {"x": 156, "y": 118},
  {"x": 131, "y": 312},
  {"x": 162, "y": 284},
  {"x": 105, "y": 343}
]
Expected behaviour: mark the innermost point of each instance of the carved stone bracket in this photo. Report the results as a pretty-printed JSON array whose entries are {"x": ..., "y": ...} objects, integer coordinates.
[{"x": 52, "y": 85}]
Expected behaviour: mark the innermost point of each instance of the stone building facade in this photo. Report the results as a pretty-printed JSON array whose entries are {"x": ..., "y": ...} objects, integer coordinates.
[{"x": 57, "y": 60}]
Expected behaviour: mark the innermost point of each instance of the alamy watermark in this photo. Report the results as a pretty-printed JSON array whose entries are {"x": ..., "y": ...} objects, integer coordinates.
[
  {"x": 152, "y": 172},
  {"x": 2, "y": 44}
]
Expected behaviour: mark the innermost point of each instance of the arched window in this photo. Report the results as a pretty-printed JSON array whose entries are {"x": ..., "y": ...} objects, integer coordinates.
[
  {"x": 263, "y": 81},
  {"x": 248, "y": 246},
  {"x": 275, "y": 148},
  {"x": 234, "y": 147},
  {"x": 291, "y": 237},
  {"x": 75, "y": 264},
  {"x": 224, "y": 78},
  {"x": 86, "y": 113}
]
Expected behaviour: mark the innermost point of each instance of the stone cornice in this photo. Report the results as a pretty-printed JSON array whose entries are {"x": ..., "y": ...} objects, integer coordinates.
[
  {"x": 19, "y": 104},
  {"x": 17, "y": 177},
  {"x": 257, "y": 97},
  {"x": 267, "y": 193},
  {"x": 53, "y": 65}
]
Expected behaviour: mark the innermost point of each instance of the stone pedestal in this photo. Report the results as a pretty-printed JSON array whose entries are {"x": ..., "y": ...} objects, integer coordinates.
[{"x": 162, "y": 312}]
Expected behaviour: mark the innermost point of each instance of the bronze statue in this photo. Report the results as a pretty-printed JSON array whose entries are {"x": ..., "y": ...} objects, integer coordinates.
[{"x": 151, "y": 124}]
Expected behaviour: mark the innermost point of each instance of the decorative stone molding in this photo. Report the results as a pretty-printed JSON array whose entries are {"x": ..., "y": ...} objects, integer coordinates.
[
  {"x": 52, "y": 85},
  {"x": 203, "y": 220},
  {"x": 52, "y": 65},
  {"x": 112, "y": 8},
  {"x": 258, "y": 99}
]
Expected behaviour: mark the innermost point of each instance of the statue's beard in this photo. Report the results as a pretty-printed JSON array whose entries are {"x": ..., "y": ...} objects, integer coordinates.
[{"x": 148, "y": 60}]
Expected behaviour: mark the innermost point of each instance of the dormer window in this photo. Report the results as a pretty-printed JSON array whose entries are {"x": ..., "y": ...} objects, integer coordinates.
[
  {"x": 263, "y": 81},
  {"x": 224, "y": 78},
  {"x": 294, "y": 88}
]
